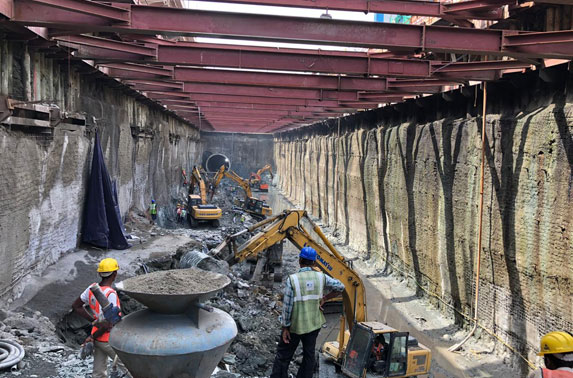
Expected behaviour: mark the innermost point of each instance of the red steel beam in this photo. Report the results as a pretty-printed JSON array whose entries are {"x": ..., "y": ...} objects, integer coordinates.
[
  {"x": 419, "y": 83},
  {"x": 274, "y": 115},
  {"x": 215, "y": 112},
  {"x": 230, "y": 105},
  {"x": 224, "y": 105},
  {"x": 109, "y": 44},
  {"x": 158, "y": 83},
  {"x": 239, "y": 90},
  {"x": 139, "y": 68},
  {"x": 474, "y": 6},
  {"x": 91, "y": 8},
  {"x": 146, "y": 19},
  {"x": 245, "y": 99},
  {"x": 537, "y": 44},
  {"x": 405, "y": 7},
  {"x": 72, "y": 12},
  {"x": 242, "y": 116},
  {"x": 263, "y": 79},
  {"x": 301, "y": 60},
  {"x": 150, "y": 87}
]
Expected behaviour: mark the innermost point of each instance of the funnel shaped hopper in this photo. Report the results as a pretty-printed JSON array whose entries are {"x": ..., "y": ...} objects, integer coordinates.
[
  {"x": 153, "y": 345},
  {"x": 173, "y": 291}
]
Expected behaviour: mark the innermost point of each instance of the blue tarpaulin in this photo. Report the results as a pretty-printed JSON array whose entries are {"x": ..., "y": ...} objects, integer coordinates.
[{"x": 102, "y": 225}]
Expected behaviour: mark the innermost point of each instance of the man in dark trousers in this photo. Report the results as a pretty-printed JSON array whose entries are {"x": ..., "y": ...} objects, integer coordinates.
[{"x": 302, "y": 316}]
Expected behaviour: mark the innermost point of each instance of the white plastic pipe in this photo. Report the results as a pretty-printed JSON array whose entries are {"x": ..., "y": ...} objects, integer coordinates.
[{"x": 11, "y": 353}]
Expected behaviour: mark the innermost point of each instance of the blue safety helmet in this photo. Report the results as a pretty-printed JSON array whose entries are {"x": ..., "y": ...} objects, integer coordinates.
[
  {"x": 308, "y": 253},
  {"x": 152, "y": 201}
]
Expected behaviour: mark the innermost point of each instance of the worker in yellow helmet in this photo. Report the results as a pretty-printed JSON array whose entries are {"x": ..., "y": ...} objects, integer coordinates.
[
  {"x": 88, "y": 307},
  {"x": 557, "y": 351}
]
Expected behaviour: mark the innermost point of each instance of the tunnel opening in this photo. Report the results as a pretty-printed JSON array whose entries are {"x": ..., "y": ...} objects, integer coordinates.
[{"x": 215, "y": 161}]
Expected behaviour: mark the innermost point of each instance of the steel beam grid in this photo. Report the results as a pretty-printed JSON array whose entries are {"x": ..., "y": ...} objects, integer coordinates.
[
  {"x": 184, "y": 89},
  {"x": 175, "y": 21},
  {"x": 283, "y": 80}
]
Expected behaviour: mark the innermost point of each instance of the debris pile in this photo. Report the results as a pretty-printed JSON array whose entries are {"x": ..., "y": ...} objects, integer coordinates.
[
  {"x": 46, "y": 355},
  {"x": 256, "y": 311}
]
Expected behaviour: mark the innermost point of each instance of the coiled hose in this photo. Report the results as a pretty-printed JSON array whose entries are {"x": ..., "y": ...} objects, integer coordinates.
[{"x": 11, "y": 353}]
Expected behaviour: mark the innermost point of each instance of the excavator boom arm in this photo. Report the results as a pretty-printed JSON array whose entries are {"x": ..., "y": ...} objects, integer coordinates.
[
  {"x": 288, "y": 225},
  {"x": 216, "y": 181},
  {"x": 196, "y": 178},
  {"x": 244, "y": 184},
  {"x": 263, "y": 170}
]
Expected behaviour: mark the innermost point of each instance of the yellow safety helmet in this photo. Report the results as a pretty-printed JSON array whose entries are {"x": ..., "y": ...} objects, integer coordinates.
[
  {"x": 556, "y": 342},
  {"x": 108, "y": 265}
]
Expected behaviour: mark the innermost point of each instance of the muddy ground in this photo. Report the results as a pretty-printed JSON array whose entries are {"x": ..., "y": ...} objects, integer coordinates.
[{"x": 42, "y": 322}]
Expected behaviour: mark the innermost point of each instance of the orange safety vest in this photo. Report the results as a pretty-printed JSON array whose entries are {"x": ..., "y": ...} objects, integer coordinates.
[
  {"x": 94, "y": 305},
  {"x": 546, "y": 373}
]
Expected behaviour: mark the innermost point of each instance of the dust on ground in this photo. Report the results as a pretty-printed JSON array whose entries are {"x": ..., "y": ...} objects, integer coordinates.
[{"x": 176, "y": 282}]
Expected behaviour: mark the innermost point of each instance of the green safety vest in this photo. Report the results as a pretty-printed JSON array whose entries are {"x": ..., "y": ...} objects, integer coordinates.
[
  {"x": 306, "y": 315},
  {"x": 153, "y": 208}
]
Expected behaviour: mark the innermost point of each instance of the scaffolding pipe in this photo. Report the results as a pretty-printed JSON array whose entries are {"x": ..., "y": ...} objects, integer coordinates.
[{"x": 480, "y": 229}]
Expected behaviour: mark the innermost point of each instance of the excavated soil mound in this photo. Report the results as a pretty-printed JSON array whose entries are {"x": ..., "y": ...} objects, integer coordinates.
[{"x": 176, "y": 282}]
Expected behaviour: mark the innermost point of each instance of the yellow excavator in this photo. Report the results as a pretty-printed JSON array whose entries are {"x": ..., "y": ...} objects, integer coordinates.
[
  {"x": 367, "y": 348},
  {"x": 254, "y": 206},
  {"x": 256, "y": 180},
  {"x": 198, "y": 209}
]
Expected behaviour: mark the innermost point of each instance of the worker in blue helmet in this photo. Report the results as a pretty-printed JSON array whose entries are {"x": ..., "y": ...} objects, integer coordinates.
[{"x": 302, "y": 316}]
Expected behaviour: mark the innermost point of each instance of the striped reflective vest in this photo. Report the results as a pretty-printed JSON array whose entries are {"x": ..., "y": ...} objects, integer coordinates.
[
  {"x": 307, "y": 288},
  {"x": 96, "y": 308},
  {"x": 153, "y": 209}
]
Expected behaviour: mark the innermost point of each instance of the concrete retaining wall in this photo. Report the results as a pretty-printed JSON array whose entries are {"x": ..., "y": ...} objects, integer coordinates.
[
  {"x": 43, "y": 177},
  {"x": 401, "y": 184}
]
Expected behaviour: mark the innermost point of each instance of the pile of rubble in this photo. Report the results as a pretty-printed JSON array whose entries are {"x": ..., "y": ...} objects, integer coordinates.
[
  {"x": 46, "y": 355},
  {"x": 255, "y": 310}
]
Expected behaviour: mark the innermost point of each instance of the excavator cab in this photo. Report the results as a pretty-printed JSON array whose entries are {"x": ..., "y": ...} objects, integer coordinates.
[
  {"x": 256, "y": 206},
  {"x": 376, "y": 350}
]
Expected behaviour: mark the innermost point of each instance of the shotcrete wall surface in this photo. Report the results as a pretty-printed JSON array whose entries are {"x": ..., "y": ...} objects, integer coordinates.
[
  {"x": 401, "y": 184},
  {"x": 43, "y": 177},
  {"x": 247, "y": 152}
]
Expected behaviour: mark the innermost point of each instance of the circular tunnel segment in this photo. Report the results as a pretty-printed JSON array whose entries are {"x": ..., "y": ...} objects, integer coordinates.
[{"x": 215, "y": 161}]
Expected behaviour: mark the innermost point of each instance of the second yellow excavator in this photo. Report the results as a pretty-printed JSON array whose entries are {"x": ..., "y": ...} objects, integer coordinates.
[
  {"x": 254, "y": 206},
  {"x": 198, "y": 209},
  {"x": 367, "y": 348}
]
